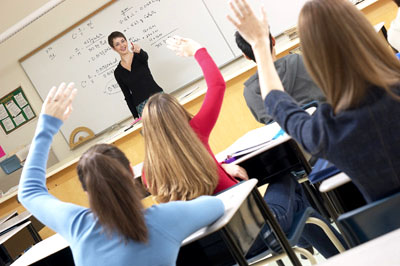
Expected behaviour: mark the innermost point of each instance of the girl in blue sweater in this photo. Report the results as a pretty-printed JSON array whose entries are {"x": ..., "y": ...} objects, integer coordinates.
[{"x": 115, "y": 230}]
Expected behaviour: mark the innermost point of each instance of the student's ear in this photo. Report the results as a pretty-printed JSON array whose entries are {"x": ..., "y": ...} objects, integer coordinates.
[
  {"x": 248, "y": 58},
  {"x": 273, "y": 41}
]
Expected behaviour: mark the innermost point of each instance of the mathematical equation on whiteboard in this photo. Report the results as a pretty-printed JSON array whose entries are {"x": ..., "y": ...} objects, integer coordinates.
[{"x": 139, "y": 25}]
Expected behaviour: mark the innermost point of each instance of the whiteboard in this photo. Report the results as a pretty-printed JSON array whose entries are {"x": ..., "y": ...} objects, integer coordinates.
[
  {"x": 282, "y": 15},
  {"x": 83, "y": 55}
]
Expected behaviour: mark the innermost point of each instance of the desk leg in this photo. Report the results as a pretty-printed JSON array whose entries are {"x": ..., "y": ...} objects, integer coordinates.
[
  {"x": 328, "y": 209},
  {"x": 233, "y": 248},
  {"x": 275, "y": 227},
  {"x": 5, "y": 257},
  {"x": 36, "y": 237}
]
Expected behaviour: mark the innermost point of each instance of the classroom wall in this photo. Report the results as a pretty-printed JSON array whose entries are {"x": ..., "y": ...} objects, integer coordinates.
[{"x": 31, "y": 37}]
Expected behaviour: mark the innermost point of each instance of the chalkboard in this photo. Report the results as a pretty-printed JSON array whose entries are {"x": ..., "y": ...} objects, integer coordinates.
[
  {"x": 82, "y": 54},
  {"x": 282, "y": 15}
]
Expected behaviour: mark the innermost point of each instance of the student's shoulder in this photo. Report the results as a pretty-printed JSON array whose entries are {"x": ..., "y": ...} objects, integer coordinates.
[
  {"x": 252, "y": 82},
  {"x": 290, "y": 59}
]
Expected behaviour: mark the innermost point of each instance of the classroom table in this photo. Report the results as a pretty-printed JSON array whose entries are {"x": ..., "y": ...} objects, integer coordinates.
[
  {"x": 383, "y": 250},
  {"x": 241, "y": 199},
  {"x": 11, "y": 228},
  {"x": 273, "y": 153}
]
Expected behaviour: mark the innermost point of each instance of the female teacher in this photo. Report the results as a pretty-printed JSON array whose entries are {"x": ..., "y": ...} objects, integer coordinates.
[{"x": 133, "y": 74}]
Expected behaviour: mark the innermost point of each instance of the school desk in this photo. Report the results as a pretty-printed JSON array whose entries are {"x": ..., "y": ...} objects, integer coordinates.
[
  {"x": 15, "y": 239},
  {"x": 383, "y": 250}
]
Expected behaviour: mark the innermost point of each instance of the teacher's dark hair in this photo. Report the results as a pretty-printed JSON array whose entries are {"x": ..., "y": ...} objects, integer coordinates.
[
  {"x": 397, "y": 2},
  {"x": 114, "y": 35},
  {"x": 105, "y": 173},
  {"x": 245, "y": 47}
]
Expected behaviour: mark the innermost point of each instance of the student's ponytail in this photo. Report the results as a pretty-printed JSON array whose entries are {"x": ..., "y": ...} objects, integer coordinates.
[{"x": 105, "y": 174}]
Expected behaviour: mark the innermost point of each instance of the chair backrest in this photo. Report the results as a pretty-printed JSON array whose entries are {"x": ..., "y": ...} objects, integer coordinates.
[{"x": 371, "y": 221}]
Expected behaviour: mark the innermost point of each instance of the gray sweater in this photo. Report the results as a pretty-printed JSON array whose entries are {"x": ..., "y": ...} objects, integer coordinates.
[{"x": 296, "y": 82}]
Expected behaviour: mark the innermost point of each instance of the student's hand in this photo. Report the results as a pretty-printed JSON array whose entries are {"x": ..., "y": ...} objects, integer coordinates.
[
  {"x": 183, "y": 46},
  {"x": 135, "y": 48},
  {"x": 235, "y": 171},
  {"x": 58, "y": 102},
  {"x": 253, "y": 29}
]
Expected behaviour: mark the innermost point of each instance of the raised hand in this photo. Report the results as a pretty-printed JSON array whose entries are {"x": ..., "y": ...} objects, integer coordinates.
[
  {"x": 58, "y": 102},
  {"x": 183, "y": 46},
  {"x": 135, "y": 48},
  {"x": 253, "y": 29}
]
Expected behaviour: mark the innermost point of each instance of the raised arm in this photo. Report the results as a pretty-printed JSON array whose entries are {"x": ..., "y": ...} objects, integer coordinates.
[
  {"x": 32, "y": 191},
  {"x": 256, "y": 33},
  {"x": 207, "y": 116}
]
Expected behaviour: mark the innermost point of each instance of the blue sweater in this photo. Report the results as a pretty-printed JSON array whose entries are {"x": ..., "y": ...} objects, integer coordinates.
[
  {"x": 363, "y": 142},
  {"x": 168, "y": 224}
]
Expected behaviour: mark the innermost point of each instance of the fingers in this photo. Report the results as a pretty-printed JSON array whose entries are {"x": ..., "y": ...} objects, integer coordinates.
[
  {"x": 69, "y": 95},
  {"x": 51, "y": 94},
  {"x": 59, "y": 91}
]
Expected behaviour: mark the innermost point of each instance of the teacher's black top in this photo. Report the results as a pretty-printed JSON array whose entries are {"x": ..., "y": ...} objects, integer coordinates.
[{"x": 138, "y": 84}]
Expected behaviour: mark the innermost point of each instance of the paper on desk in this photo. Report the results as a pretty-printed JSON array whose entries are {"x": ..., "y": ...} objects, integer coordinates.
[{"x": 252, "y": 140}]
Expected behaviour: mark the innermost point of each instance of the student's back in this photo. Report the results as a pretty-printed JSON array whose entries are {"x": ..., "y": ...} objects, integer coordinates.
[
  {"x": 166, "y": 227},
  {"x": 363, "y": 142}
]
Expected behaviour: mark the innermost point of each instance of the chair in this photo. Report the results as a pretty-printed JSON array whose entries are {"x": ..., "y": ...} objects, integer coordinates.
[
  {"x": 371, "y": 221},
  {"x": 300, "y": 220}
]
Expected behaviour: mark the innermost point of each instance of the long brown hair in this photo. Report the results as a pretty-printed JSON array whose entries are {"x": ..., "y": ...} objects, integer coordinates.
[
  {"x": 105, "y": 173},
  {"x": 177, "y": 166},
  {"x": 344, "y": 54}
]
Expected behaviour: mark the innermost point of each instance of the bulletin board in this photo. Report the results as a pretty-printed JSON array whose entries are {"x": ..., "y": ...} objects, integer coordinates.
[{"x": 15, "y": 110}]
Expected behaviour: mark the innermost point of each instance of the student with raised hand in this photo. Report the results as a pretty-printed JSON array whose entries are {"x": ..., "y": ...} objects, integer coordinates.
[
  {"x": 133, "y": 74},
  {"x": 358, "y": 130},
  {"x": 115, "y": 230},
  {"x": 394, "y": 30},
  {"x": 293, "y": 74},
  {"x": 179, "y": 163}
]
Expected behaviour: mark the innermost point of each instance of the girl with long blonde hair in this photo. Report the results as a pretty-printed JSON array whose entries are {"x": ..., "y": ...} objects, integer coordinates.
[
  {"x": 179, "y": 163},
  {"x": 358, "y": 130}
]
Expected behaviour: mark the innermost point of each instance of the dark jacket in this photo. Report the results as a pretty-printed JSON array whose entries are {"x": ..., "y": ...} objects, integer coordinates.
[{"x": 363, "y": 142}]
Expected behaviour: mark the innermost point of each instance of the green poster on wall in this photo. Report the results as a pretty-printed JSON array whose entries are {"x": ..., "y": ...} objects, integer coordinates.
[{"x": 15, "y": 110}]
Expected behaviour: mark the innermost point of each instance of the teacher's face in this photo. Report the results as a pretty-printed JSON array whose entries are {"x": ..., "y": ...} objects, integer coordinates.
[{"x": 120, "y": 45}]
